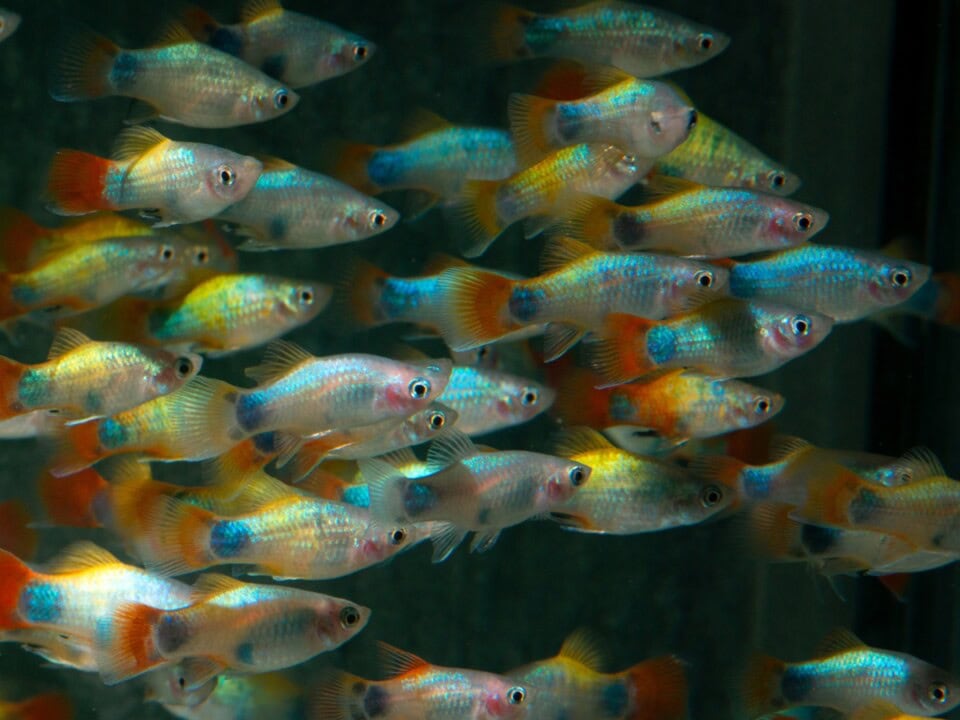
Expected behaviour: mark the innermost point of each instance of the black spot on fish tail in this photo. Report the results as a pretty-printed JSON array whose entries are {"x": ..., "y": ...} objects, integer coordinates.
[
  {"x": 796, "y": 685},
  {"x": 172, "y": 633},
  {"x": 864, "y": 505},
  {"x": 375, "y": 702},
  {"x": 628, "y": 229},
  {"x": 818, "y": 539}
]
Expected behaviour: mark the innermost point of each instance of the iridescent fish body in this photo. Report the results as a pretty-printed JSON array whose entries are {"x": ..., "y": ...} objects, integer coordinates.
[{"x": 489, "y": 400}]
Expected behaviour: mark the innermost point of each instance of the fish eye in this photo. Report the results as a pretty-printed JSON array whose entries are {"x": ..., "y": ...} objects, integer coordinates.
[
  {"x": 900, "y": 277},
  {"x": 777, "y": 179},
  {"x": 938, "y": 693},
  {"x": 378, "y": 219},
  {"x": 280, "y": 99},
  {"x": 704, "y": 278},
  {"x": 184, "y": 367},
  {"x": 802, "y": 222},
  {"x": 397, "y": 536},
  {"x": 226, "y": 175},
  {"x": 305, "y": 296},
  {"x": 166, "y": 252},
  {"x": 436, "y": 420},
  {"x": 656, "y": 126},
  {"x": 529, "y": 397},
  {"x": 182, "y": 682},
  {"x": 516, "y": 695},
  {"x": 360, "y": 51},
  {"x": 762, "y": 405},
  {"x": 704, "y": 41},
  {"x": 202, "y": 256},
  {"x": 710, "y": 496},
  {"x": 349, "y": 616},
  {"x": 800, "y": 324},
  {"x": 419, "y": 388},
  {"x": 578, "y": 476}
]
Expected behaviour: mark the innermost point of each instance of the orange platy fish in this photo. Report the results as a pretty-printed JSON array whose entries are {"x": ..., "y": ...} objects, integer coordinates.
[
  {"x": 417, "y": 689},
  {"x": 49, "y": 706},
  {"x": 571, "y": 685},
  {"x": 178, "y": 182}
]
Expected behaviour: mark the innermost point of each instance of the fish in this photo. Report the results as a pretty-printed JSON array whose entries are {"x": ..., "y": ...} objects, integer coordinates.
[
  {"x": 629, "y": 493},
  {"x": 643, "y": 41},
  {"x": 678, "y": 405},
  {"x": 17, "y": 534},
  {"x": 46, "y": 706},
  {"x": 489, "y": 400},
  {"x": 715, "y": 156},
  {"x": 845, "y": 283},
  {"x": 487, "y": 207},
  {"x": 268, "y": 695},
  {"x": 645, "y": 118},
  {"x": 728, "y": 337},
  {"x": 847, "y": 675},
  {"x": 693, "y": 220},
  {"x": 173, "y": 182},
  {"x": 572, "y": 685},
  {"x": 78, "y": 500},
  {"x": 83, "y": 378},
  {"x": 240, "y": 626},
  {"x": 469, "y": 490},
  {"x": 579, "y": 288},
  {"x": 881, "y": 710},
  {"x": 297, "y": 49},
  {"x": 416, "y": 688},
  {"x": 293, "y": 208},
  {"x": 9, "y": 22},
  {"x": 180, "y": 79}
]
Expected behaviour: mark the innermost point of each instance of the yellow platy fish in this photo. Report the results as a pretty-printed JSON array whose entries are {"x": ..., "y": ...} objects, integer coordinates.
[
  {"x": 83, "y": 378},
  {"x": 177, "y": 182},
  {"x": 181, "y": 79}
]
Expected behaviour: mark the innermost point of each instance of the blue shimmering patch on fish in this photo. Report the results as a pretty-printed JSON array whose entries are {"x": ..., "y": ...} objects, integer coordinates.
[
  {"x": 621, "y": 407},
  {"x": 525, "y": 303},
  {"x": 112, "y": 434},
  {"x": 251, "y": 410},
  {"x": 274, "y": 66},
  {"x": 613, "y": 699},
  {"x": 357, "y": 495},
  {"x": 25, "y": 295},
  {"x": 819, "y": 540},
  {"x": 245, "y": 653},
  {"x": 277, "y": 228},
  {"x": 124, "y": 71},
  {"x": 569, "y": 121},
  {"x": 796, "y": 684},
  {"x": 386, "y": 167},
  {"x": 756, "y": 482},
  {"x": 540, "y": 32},
  {"x": 864, "y": 504},
  {"x": 41, "y": 602},
  {"x": 661, "y": 344},
  {"x": 33, "y": 389},
  {"x": 226, "y": 40},
  {"x": 743, "y": 282},
  {"x": 399, "y": 297},
  {"x": 418, "y": 498},
  {"x": 375, "y": 701},
  {"x": 229, "y": 538}
]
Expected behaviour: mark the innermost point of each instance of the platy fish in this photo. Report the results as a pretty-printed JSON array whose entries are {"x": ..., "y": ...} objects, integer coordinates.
[
  {"x": 848, "y": 675},
  {"x": 844, "y": 283},
  {"x": 695, "y": 220},
  {"x": 469, "y": 490},
  {"x": 730, "y": 338},
  {"x": 489, "y": 400},
  {"x": 290, "y": 207},
  {"x": 417, "y": 689},
  {"x": 642, "y": 41},
  {"x": 176, "y": 182},
  {"x": 83, "y": 378},
  {"x": 298, "y": 49},
  {"x": 9, "y": 22},
  {"x": 182, "y": 80}
]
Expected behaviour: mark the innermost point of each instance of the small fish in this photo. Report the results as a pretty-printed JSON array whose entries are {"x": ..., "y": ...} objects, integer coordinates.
[
  {"x": 182, "y": 80},
  {"x": 678, "y": 405},
  {"x": 715, "y": 156},
  {"x": 642, "y": 41},
  {"x": 729, "y": 338},
  {"x": 695, "y": 221},
  {"x": 848, "y": 675},
  {"x": 83, "y": 378},
  {"x": 579, "y": 288},
  {"x": 630, "y": 493},
  {"x": 9, "y": 22},
  {"x": 51, "y": 705},
  {"x": 417, "y": 689},
  {"x": 645, "y": 118},
  {"x": 844, "y": 283},
  {"x": 236, "y": 626},
  {"x": 572, "y": 685},
  {"x": 290, "y": 207},
  {"x": 489, "y": 400},
  {"x": 469, "y": 490},
  {"x": 487, "y": 208},
  {"x": 17, "y": 534},
  {"x": 270, "y": 695},
  {"x": 298, "y": 49},
  {"x": 174, "y": 182}
]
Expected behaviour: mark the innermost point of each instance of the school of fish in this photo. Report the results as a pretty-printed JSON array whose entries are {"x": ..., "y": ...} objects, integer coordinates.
[{"x": 638, "y": 338}]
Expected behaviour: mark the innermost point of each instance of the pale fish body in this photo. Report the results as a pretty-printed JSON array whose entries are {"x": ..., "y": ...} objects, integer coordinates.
[{"x": 488, "y": 400}]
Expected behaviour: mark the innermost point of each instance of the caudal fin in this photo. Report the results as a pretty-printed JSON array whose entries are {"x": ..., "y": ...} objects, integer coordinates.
[
  {"x": 349, "y": 163},
  {"x": 80, "y": 500},
  {"x": 617, "y": 352},
  {"x": 126, "y": 646},
  {"x": 659, "y": 689},
  {"x": 76, "y": 183},
  {"x": 16, "y": 535},
  {"x": 530, "y": 121},
  {"x": 589, "y": 219},
  {"x": 183, "y": 538},
  {"x": 476, "y": 207},
  {"x": 75, "y": 448},
  {"x": 475, "y": 307},
  {"x": 18, "y": 238},
  {"x": 499, "y": 34},
  {"x": 339, "y": 696},
  {"x": 762, "y": 686},
  {"x": 14, "y": 574},
  {"x": 199, "y": 23},
  {"x": 48, "y": 706},
  {"x": 82, "y": 69},
  {"x": 10, "y": 373},
  {"x": 357, "y": 294}
]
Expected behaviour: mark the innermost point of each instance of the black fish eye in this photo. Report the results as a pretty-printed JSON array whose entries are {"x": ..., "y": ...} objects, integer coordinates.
[
  {"x": 419, "y": 388},
  {"x": 800, "y": 325},
  {"x": 763, "y": 405},
  {"x": 378, "y": 219},
  {"x": 184, "y": 367},
  {"x": 802, "y": 222},
  {"x": 397, "y": 536},
  {"x": 349, "y": 616},
  {"x": 166, "y": 252},
  {"x": 516, "y": 695},
  {"x": 226, "y": 175},
  {"x": 280, "y": 99},
  {"x": 704, "y": 278},
  {"x": 778, "y": 180},
  {"x": 577, "y": 476},
  {"x": 710, "y": 496},
  {"x": 305, "y": 296},
  {"x": 900, "y": 277},
  {"x": 938, "y": 693},
  {"x": 656, "y": 126},
  {"x": 529, "y": 397},
  {"x": 359, "y": 51},
  {"x": 437, "y": 420},
  {"x": 705, "y": 41},
  {"x": 202, "y": 256}
]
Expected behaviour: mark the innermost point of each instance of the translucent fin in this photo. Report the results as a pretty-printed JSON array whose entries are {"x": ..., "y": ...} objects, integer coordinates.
[
  {"x": 133, "y": 142},
  {"x": 450, "y": 449},
  {"x": 399, "y": 662},
  {"x": 65, "y": 340},
  {"x": 279, "y": 358},
  {"x": 582, "y": 647}
]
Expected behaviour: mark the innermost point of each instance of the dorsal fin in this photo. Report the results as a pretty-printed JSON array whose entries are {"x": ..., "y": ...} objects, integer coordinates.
[
  {"x": 923, "y": 463},
  {"x": 561, "y": 251},
  {"x": 838, "y": 641},
  {"x": 174, "y": 33},
  {"x": 399, "y": 662},
  {"x": 215, "y": 583},
  {"x": 408, "y": 353},
  {"x": 449, "y": 449},
  {"x": 600, "y": 78},
  {"x": 278, "y": 359},
  {"x": 582, "y": 647},
  {"x": 783, "y": 446},
  {"x": 65, "y": 340},
  {"x": 422, "y": 121},
  {"x": 658, "y": 187},
  {"x": 82, "y": 555},
  {"x": 134, "y": 142},
  {"x": 262, "y": 489},
  {"x": 574, "y": 441},
  {"x": 252, "y": 9},
  {"x": 275, "y": 164}
]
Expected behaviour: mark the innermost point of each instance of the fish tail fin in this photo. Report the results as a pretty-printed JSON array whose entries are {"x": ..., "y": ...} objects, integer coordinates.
[
  {"x": 530, "y": 117},
  {"x": 75, "y": 448},
  {"x": 613, "y": 353},
  {"x": 77, "y": 183},
  {"x": 589, "y": 219},
  {"x": 577, "y": 401},
  {"x": 358, "y": 292},
  {"x": 348, "y": 162},
  {"x": 947, "y": 308},
  {"x": 18, "y": 237},
  {"x": 477, "y": 209},
  {"x": 48, "y": 706},
  {"x": 126, "y": 648},
  {"x": 74, "y": 500},
  {"x": 383, "y": 480},
  {"x": 133, "y": 496},
  {"x": 338, "y": 696},
  {"x": 183, "y": 534},
  {"x": 82, "y": 69},
  {"x": 501, "y": 33},
  {"x": 659, "y": 688},
  {"x": 476, "y": 307},
  {"x": 16, "y": 535},
  {"x": 762, "y": 682},
  {"x": 14, "y": 574},
  {"x": 896, "y": 584},
  {"x": 828, "y": 498},
  {"x": 771, "y": 532},
  {"x": 324, "y": 485},
  {"x": 199, "y": 23},
  {"x": 10, "y": 373}
]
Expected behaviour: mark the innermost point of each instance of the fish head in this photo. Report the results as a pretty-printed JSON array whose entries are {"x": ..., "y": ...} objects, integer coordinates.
[
  {"x": 9, "y": 22},
  {"x": 228, "y": 177},
  {"x": 159, "y": 261},
  {"x": 742, "y": 405},
  {"x": 520, "y": 399},
  {"x": 564, "y": 478},
  {"x": 793, "y": 223},
  {"x": 788, "y": 333},
  {"x": 668, "y": 122},
  {"x": 337, "y": 620},
  {"x": 430, "y": 422},
  {"x": 893, "y": 281},
  {"x": 412, "y": 385},
  {"x": 502, "y": 698},
  {"x": 930, "y": 690},
  {"x": 265, "y": 100},
  {"x": 367, "y": 218},
  {"x": 171, "y": 371},
  {"x": 691, "y": 283},
  {"x": 301, "y": 302},
  {"x": 695, "y": 44},
  {"x": 776, "y": 180},
  {"x": 349, "y": 53}
]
